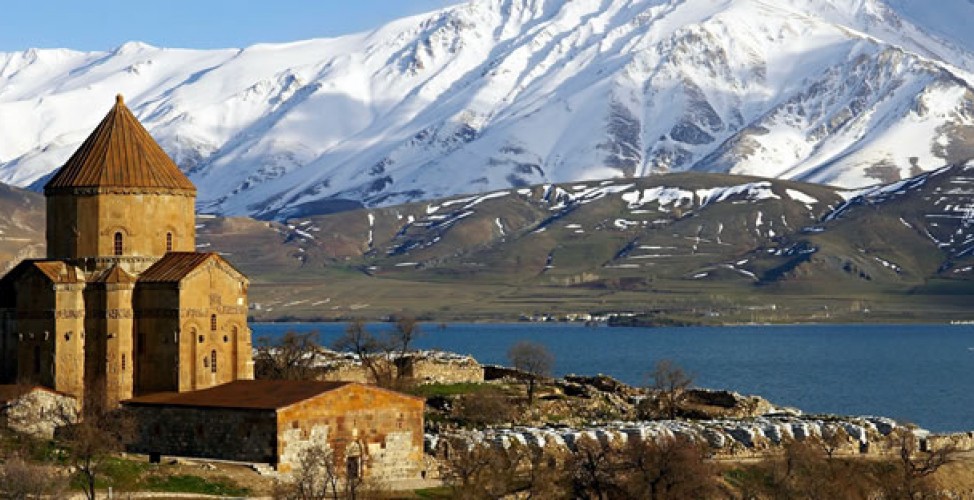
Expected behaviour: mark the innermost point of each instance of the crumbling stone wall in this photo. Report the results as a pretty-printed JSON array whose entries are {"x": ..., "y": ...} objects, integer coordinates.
[
  {"x": 424, "y": 367},
  {"x": 446, "y": 371}
]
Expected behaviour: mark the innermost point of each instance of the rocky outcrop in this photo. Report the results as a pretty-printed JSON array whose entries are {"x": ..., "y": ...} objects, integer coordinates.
[{"x": 35, "y": 411}]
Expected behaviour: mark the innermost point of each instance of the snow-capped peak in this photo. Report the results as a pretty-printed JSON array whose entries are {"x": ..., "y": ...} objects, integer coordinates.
[{"x": 494, "y": 94}]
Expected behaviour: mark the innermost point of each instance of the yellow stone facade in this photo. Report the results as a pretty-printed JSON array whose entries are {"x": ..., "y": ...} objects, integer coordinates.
[{"x": 123, "y": 305}]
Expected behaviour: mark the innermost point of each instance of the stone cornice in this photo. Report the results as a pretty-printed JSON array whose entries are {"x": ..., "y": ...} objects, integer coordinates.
[{"x": 93, "y": 191}]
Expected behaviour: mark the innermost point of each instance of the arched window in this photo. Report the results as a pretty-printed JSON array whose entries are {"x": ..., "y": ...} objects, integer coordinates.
[
  {"x": 168, "y": 242},
  {"x": 213, "y": 322},
  {"x": 213, "y": 361},
  {"x": 118, "y": 243}
]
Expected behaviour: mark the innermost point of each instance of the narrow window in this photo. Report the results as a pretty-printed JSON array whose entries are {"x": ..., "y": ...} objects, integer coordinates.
[
  {"x": 213, "y": 361},
  {"x": 118, "y": 243},
  {"x": 169, "y": 242},
  {"x": 213, "y": 322},
  {"x": 123, "y": 362}
]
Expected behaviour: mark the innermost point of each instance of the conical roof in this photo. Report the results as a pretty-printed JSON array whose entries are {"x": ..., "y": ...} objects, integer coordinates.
[{"x": 120, "y": 153}]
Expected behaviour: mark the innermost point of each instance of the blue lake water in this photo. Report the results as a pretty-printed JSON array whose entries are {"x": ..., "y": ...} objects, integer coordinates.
[{"x": 916, "y": 373}]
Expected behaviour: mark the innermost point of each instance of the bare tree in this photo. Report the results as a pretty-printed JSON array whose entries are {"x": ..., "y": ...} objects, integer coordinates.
[
  {"x": 833, "y": 439},
  {"x": 911, "y": 474},
  {"x": 489, "y": 406},
  {"x": 99, "y": 434},
  {"x": 534, "y": 360},
  {"x": 405, "y": 331},
  {"x": 315, "y": 476},
  {"x": 595, "y": 470},
  {"x": 541, "y": 472},
  {"x": 668, "y": 468},
  {"x": 476, "y": 471},
  {"x": 806, "y": 472},
  {"x": 670, "y": 382},
  {"x": 21, "y": 480},
  {"x": 372, "y": 351},
  {"x": 291, "y": 358}
]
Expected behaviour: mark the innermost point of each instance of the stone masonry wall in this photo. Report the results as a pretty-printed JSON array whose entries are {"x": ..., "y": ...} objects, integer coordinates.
[
  {"x": 382, "y": 427},
  {"x": 227, "y": 434},
  {"x": 447, "y": 371},
  {"x": 424, "y": 367}
]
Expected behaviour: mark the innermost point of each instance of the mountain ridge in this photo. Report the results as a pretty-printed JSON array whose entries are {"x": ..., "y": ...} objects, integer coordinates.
[
  {"x": 500, "y": 94},
  {"x": 684, "y": 244}
]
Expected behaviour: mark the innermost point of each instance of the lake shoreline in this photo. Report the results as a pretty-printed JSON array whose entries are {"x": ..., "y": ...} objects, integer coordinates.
[{"x": 911, "y": 372}]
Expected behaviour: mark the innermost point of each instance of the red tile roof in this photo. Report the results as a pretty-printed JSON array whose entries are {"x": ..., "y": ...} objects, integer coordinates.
[
  {"x": 243, "y": 394},
  {"x": 120, "y": 153}
]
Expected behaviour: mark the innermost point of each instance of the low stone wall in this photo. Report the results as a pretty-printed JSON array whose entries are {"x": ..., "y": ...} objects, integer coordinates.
[
  {"x": 424, "y": 367},
  {"x": 454, "y": 370},
  {"x": 726, "y": 438},
  {"x": 961, "y": 441},
  {"x": 345, "y": 373}
]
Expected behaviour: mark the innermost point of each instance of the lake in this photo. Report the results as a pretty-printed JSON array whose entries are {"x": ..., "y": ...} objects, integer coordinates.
[{"x": 915, "y": 373}]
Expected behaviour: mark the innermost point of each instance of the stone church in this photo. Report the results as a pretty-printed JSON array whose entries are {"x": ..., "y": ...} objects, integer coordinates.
[{"x": 123, "y": 305}]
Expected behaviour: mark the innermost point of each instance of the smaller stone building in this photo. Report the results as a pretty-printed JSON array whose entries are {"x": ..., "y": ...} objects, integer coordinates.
[
  {"x": 369, "y": 430},
  {"x": 35, "y": 410}
]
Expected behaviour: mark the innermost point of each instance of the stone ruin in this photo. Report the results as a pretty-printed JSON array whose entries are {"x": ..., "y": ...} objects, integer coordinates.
[
  {"x": 727, "y": 438},
  {"x": 427, "y": 367}
]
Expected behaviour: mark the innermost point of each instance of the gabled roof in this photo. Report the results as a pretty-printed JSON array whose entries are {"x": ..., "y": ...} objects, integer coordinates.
[
  {"x": 56, "y": 270},
  {"x": 59, "y": 272},
  {"x": 114, "y": 275},
  {"x": 175, "y": 266},
  {"x": 120, "y": 153},
  {"x": 244, "y": 394}
]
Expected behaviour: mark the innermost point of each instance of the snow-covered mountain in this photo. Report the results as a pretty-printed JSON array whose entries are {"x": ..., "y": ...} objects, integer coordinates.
[{"x": 499, "y": 93}]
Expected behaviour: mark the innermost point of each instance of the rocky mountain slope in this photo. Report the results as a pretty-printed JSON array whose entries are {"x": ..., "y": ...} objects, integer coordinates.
[
  {"x": 502, "y": 94},
  {"x": 21, "y": 226},
  {"x": 678, "y": 226},
  {"x": 685, "y": 240}
]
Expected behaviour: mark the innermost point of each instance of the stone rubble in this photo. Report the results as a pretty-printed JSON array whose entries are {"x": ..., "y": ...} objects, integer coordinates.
[{"x": 724, "y": 436}]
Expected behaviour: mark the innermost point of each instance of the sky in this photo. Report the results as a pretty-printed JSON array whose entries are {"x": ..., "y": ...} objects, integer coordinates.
[{"x": 90, "y": 25}]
